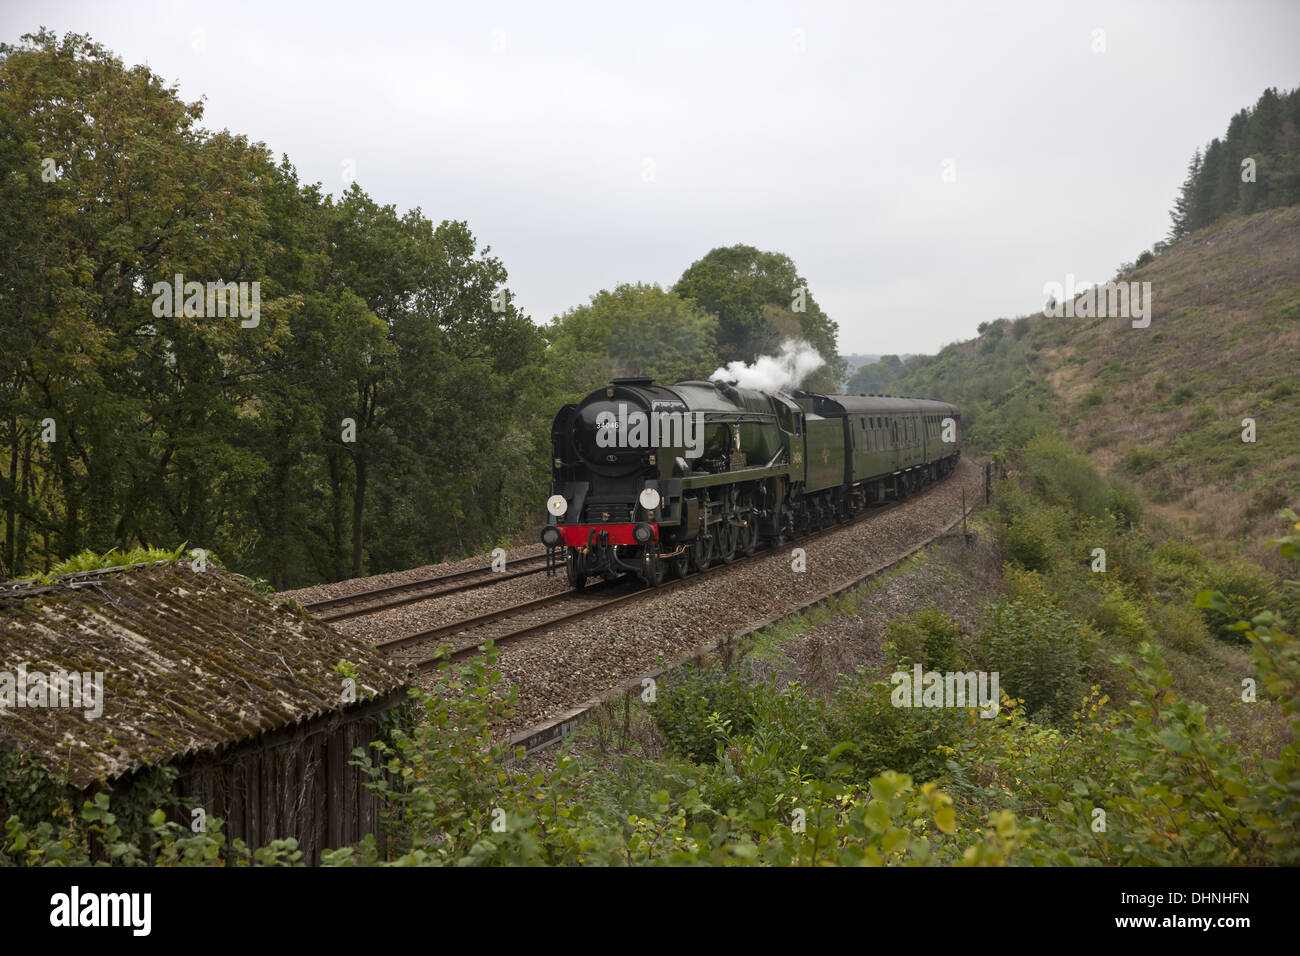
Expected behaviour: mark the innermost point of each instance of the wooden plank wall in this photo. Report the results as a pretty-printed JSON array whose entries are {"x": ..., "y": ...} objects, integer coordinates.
[{"x": 295, "y": 782}]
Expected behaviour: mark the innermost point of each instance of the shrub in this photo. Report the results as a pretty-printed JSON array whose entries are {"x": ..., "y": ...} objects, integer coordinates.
[
  {"x": 1032, "y": 534},
  {"x": 788, "y": 726},
  {"x": 1266, "y": 501},
  {"x": 1122, "y": 617},
  {"x": 1180, "y": 628},
  {"x": 1061, "y": 476},
  {"x": 928, "y": 637},
  {"x": 698, "y": 707},
  {"x": 1246, "y": 591},
  {"x": 1124, "y": 505},
  {"x": 1140, "y": 460},
  {"x": 1039, "y": 652},
  {"x": 914, "y": 740},
  {"x": 1178, "y": 567}
]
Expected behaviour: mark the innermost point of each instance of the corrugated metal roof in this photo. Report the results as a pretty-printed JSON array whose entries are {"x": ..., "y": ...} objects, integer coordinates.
[{"x": 191, "y": 661}]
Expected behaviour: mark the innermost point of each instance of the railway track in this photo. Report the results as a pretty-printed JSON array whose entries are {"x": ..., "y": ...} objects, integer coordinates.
[
  {"x": 374, "y": 600},
  {"x": 467, "y": 636},
  {"x": 553, "y": 730}
]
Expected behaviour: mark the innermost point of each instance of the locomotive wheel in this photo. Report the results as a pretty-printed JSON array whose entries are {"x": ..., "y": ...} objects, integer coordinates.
[
  {"x": 727, "y": 541},
  {"x": 571, "y": 571},
  {"x": 749, "y": 536},
  {"x": 704, "y": 550},
  {"x": 653, "y": 569},
  {"x": 780, "y": 537},
  {"x": 681, "y": 565}
]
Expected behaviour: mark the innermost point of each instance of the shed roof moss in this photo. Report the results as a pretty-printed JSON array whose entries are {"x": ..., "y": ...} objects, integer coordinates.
[{"x": 191, "y": 661}]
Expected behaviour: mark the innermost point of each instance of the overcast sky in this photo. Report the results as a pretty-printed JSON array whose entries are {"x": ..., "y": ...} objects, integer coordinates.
[{"x": 593, "y": 144}]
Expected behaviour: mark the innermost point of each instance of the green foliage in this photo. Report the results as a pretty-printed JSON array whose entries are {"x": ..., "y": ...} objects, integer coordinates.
[
  {"x": 928, "y": 637},
  {"x": 457, "y": 800},
  {"x": 94, "y": 837},
  {"x": 1179, "y": 568},
  {"x": 884, "y": 736},
  {"x": 634, "y": 330},
  {"x": 1061, "y": 476},
  {"x": 1215, "y": 189},
  {"x": 1123, "y": 503},
  {"x": 1245, "y": 592},
  {"x": 1139, "y": 460},
  {"x": 92, "y": 561},
  {"x": 1123, "y": 617},
  {"x": 1032, "y": 535},
  {"x": 1040, "y": 653},
  {"x": 699, "y": 707},
  {"x": 1181, "y": 793},
  {"x": 874, "y": 377},
  {"x": 1181, "y": 628},
  {"x": 754, "y": 296},
  {"x": 198, "y": 427}
]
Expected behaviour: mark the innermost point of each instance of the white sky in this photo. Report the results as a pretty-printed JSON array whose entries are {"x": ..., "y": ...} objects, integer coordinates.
[{"x": 535, "y": 121}]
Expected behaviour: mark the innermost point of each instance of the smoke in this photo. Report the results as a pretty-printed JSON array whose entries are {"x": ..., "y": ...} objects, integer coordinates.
[{"x": 771, "y": 373}]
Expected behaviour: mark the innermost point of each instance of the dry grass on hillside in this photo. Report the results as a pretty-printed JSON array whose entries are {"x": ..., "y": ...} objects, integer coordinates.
[{"x": 1163, "y": 406}]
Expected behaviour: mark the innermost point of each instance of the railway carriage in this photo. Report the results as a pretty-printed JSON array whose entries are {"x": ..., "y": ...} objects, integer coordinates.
[{"x": 654, "y": 479}]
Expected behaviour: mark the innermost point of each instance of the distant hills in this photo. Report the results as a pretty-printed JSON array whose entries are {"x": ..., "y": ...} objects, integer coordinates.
[
  {"x": 1164, "y": 406},
  {"x": 860, "y": 377}
]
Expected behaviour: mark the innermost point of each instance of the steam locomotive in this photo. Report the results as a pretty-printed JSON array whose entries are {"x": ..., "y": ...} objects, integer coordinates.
[{"x": 655, "y": 479}]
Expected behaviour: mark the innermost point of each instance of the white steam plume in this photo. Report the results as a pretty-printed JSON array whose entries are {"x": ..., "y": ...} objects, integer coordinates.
[{"x": 771, "y": 373}]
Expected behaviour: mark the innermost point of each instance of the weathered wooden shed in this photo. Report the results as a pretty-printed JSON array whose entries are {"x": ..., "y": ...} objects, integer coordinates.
[{"x": 243, "y": 695}]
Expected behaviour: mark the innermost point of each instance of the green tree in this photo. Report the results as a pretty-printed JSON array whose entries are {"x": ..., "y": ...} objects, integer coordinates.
[
  {"x": 633, "y": 330},
  {"x": 875, "y": 376},
  {"x": 120, "y": 190},
  {"x": 760, "y": 299}
]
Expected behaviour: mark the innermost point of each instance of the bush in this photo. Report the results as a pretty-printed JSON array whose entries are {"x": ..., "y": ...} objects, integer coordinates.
[
  {"x": 1033, "y": 535},
  {"x": 1266, "y": 501},
  {"x": 915, "y": 740},
  {"x": 1122, "y": 617},
  {"x": 928, "y": 637},
  {"x": 1246, "y": 590},
  {"x": 1061, "y": 476},
  {"x": 1124, "y": 506},
  {"x": 1139, "y": 460},
  {"x": 788, "y": 727},
  {"x": 698, "y": 707},
  {"x": 1178, "y": 567},
  {"x": 1039, "y": 652},
  {"x": 1180, "y": 628}
]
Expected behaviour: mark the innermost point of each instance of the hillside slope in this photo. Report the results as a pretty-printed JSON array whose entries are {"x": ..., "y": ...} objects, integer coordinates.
[{"x": 1163, "y": 406}]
